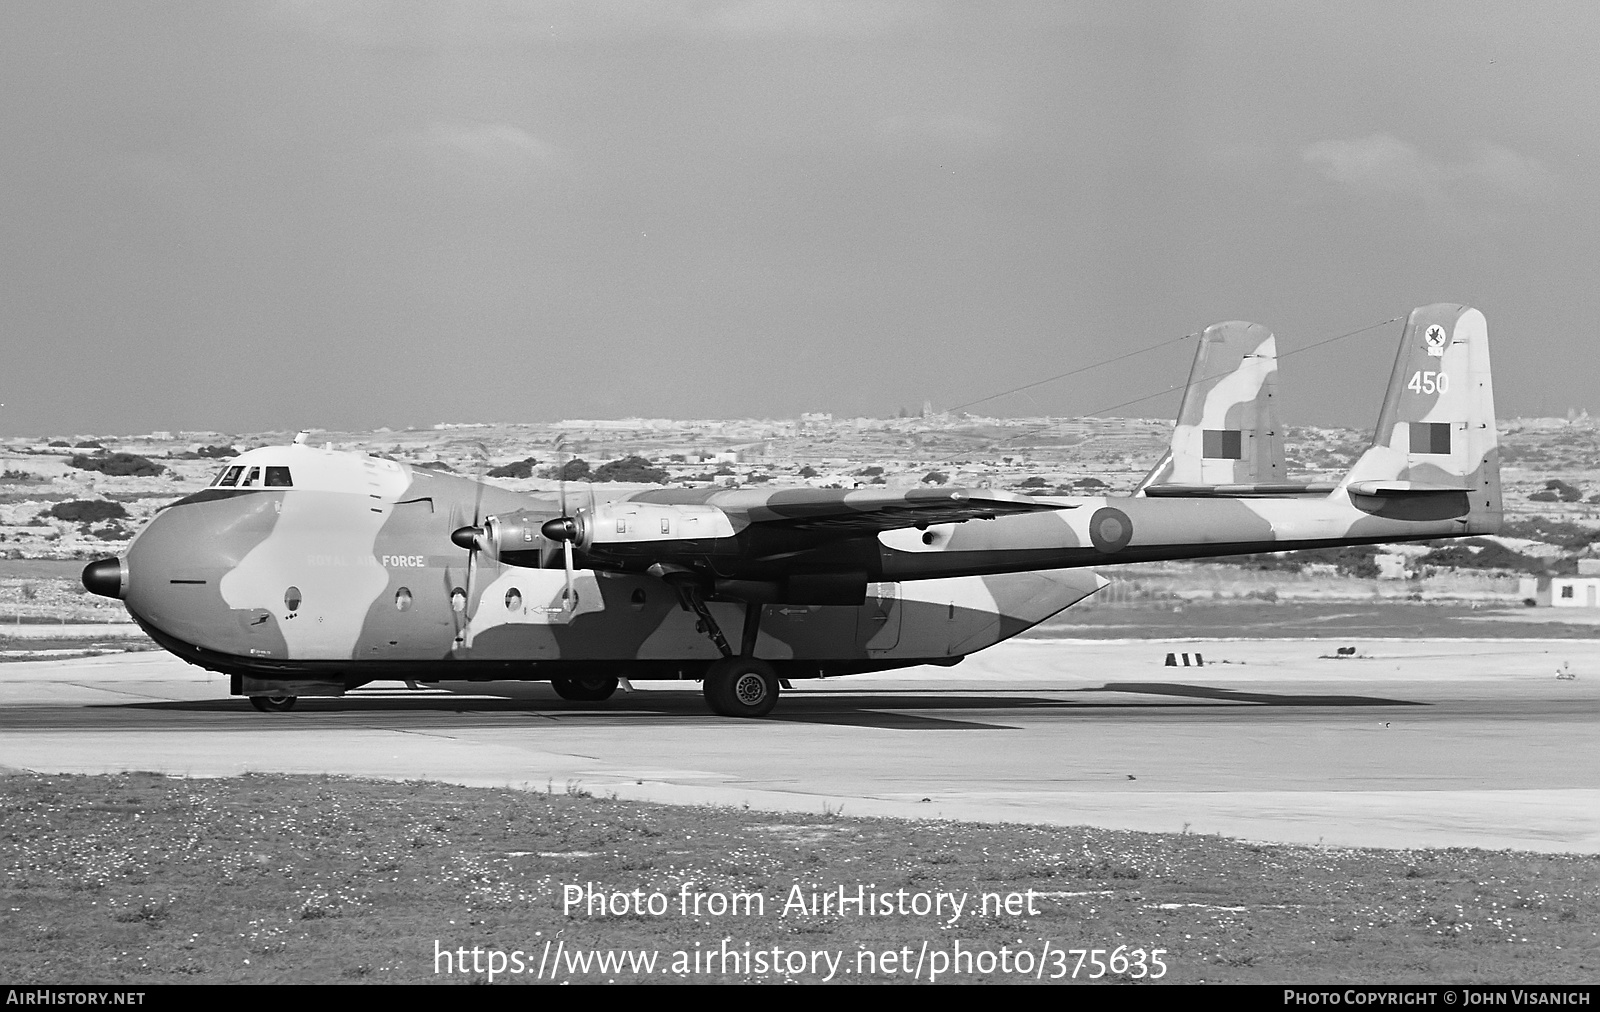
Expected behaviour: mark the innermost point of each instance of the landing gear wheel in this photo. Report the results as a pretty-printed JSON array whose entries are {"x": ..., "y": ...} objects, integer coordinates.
[
  {"x": 585, "y": 688},
  {"x": 273, "y": 704},
  {"x": 741, "y": 687}
]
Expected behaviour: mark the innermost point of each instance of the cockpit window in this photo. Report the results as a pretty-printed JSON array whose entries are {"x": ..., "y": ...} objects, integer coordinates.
[
  {"x": 251, "y": 479},
  {"x": 278, "y": 477},
  {"x": 220, "y": 475},
  {"x": 232, "y": 476}
]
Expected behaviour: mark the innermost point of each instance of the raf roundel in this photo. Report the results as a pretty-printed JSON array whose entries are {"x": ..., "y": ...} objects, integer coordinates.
[{"x": 1110, "y": 530}]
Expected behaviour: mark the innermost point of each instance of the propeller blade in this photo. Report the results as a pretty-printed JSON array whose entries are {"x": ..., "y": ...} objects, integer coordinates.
[
  {"x": 570, "y": 601},
  {"x": 563, "y": 528},
  {"x": 559, "y": 446},
  {"x": 473, "y": 537},
  {"x": 483, "y": 471}
]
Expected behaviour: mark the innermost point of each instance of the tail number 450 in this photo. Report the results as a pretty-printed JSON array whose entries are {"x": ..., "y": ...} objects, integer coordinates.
[{"x": 1428, "y": 383}]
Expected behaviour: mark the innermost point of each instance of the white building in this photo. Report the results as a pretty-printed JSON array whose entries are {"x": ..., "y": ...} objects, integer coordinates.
[{"x": 1561, "y": 591}]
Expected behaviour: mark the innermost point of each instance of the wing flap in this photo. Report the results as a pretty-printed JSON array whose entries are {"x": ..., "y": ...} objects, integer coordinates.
[{"x": 1260, "y": 490}]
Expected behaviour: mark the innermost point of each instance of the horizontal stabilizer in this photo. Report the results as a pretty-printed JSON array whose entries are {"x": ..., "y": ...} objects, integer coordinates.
[
  {"x": 1259, "y": 490},
  {"x": 1403, "y": 489}
]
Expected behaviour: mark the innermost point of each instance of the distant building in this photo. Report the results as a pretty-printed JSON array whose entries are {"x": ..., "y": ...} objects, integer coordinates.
[
  {"x": 1390, "y": 567},
  {"x": 1575, "y": 592},
  {"x": 1561, "y": 591}
]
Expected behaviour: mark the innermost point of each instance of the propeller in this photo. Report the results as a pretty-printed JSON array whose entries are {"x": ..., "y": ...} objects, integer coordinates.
[
  {"x": 474, "y": 537},
  {"x": 563, "y": 528}
]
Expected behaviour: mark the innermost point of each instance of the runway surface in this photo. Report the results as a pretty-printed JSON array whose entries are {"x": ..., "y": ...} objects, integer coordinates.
[{"x": 1410, "y": 743}]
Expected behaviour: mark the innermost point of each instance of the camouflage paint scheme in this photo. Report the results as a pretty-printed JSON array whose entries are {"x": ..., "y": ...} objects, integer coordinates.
[
  {"x": 1233, "y": 387},
  {"x": 349, "y": 575}
]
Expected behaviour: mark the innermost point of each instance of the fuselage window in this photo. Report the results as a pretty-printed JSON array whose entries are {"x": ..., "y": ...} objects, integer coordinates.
[
  {"x": 292, "y": 599},
  {"x": 402, "y": 600},
  {"x": 227, "y": 480},
  {"x": 513, "y": 600},
  {"x": 251, "y": 479},
  {"x": 278, "y": 477},
  {"x": 458, "y": 600}
]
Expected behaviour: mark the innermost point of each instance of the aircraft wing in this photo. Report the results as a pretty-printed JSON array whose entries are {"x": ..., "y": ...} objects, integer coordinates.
[
  {"x": 848, "y": 512},
  {"x": 862, "y": 512}
]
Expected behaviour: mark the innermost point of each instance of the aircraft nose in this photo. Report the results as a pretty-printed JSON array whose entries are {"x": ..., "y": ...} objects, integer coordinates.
[{"x": 105, "y": 577}]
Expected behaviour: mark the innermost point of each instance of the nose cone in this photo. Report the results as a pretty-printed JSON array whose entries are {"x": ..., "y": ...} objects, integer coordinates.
[{"x": 104, "y": 577}]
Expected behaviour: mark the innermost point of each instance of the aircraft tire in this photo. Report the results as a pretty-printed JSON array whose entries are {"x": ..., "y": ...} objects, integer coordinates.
[
  {"x": 585, "y": 688},
  {"x": 273, "y": 704},
  {"x": 741, "y": 687}
]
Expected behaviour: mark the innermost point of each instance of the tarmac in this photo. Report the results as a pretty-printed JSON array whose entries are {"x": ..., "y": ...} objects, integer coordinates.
[{"x": 1406, "y": 743}]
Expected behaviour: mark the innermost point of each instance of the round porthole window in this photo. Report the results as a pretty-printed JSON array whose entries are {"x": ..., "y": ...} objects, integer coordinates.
[
  {"x": 402, "y": 599},
  {"x": 458, "y": 600},
  {"x": 292, "y": 599},
  {"x": 513, "y": 600}
]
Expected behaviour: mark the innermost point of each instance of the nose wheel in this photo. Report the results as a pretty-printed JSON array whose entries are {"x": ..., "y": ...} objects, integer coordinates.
[
  {"x": 273, "y": 704},
  {"x": 741, "y": 687}
]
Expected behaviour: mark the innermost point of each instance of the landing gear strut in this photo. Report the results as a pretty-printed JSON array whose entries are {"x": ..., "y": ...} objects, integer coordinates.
[
  {"x": 738, "y": 685},
  {"x": 742, "y": 685}
]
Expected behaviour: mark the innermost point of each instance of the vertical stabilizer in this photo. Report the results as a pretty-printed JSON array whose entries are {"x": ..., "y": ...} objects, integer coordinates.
[
  {"x": 1436, "y": 429},
  {"x": 1227, "y": 431}
]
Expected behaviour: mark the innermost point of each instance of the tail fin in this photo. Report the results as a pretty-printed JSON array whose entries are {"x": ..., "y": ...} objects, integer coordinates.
[
  {"x": 1227, "y": 431},
  {"x": 1436, "y": 430}
]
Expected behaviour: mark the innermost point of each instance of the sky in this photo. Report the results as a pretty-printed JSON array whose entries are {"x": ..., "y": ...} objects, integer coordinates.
[{"x": 280, "y": 215}]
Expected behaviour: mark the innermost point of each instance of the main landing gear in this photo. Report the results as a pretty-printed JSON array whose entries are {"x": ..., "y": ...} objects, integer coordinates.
[
  {"x": 741, "y": 686},
  {"x": 738, "y": 685},
  {"x": 273, "y": 704},
  {"x": 585, "y": 688}
]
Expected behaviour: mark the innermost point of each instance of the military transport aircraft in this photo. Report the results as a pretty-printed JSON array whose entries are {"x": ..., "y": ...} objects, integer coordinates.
[{"x": 305, "y": 571}]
